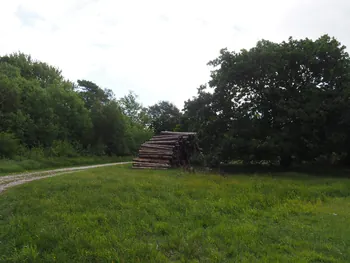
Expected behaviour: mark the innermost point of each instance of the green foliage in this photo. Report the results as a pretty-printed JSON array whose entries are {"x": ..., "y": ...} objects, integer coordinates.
[
  {"x": 109, "y": 127},
  {"x": 131, "y": 107},
  {"x": 35, "y": 153},
  {"x": 200, "y": 116},
  {"x": 277, "y": 101},
  {"x": 45, "y": 111},
  {"x": 8, "y": 145},
  {"x": 33, "y": 70},
  {"x": 63, "y": 148},
  {"x": 164, "y": 116},
  {"x": 137, "y": 121},
  {"x": 37, "y": 105},
  {"x": 280, "y": 103},
  {"x": 93, "y": 94},
  {"x": 136, "y": 135},
  {"x": 169, "y": 216}
]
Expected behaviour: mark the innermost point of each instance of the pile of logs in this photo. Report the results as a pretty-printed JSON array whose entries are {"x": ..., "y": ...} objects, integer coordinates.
[{"x": 168, "y": 149}]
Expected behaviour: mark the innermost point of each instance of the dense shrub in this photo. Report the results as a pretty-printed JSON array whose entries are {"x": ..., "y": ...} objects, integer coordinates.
[
  {"x": 9, "y": 145},
  {"x": 63, "y": 149}
]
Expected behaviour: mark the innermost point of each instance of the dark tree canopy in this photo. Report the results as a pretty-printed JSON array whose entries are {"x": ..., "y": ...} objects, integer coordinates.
[
  {"x": 165, "y": 116},
  {"x": 277, "y": 101}
]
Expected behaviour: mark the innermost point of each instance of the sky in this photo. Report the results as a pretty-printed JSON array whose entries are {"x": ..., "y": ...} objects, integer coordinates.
[{"x": 157, "y": 48}]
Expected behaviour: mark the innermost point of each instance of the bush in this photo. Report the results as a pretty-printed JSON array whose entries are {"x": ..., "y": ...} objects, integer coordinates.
[
  {"x": 36, "y": 153},
  {"x": 63, "y": 149},
  {"x": 9, "y": 145}
]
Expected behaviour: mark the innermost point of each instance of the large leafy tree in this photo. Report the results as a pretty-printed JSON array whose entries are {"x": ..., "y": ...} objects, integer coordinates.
[
  {"x": 134, "y": 110},
  {"x": 108, "y": 125},
  {"x": 93, "y": 94},
  {"x": 137, "y": 120},
  {"x": 201, "y": 116},
  {"x": 131, "y": 106},
  {"x": 72, "y": 116},
  {"x": 33, "y": 70},
  {"x": 280, "y": 100},
  {"x": 165, "y": 116},
  {"x": 109, "y": 129},
  {"x": 37, "y": 105}
]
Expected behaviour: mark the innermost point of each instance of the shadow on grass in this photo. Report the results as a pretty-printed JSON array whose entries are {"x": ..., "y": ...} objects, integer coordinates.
[{"x": 313, "y": 170}]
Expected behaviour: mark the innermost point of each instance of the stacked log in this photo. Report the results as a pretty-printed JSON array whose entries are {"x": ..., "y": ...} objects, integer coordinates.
[{"x": 168, "y": 149}]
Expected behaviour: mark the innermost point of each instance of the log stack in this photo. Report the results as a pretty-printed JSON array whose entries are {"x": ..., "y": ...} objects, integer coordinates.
[{"x": 166, "y": 150}]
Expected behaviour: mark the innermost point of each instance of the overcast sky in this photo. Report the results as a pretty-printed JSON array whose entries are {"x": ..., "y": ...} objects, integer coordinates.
[{"x": 157, "y": 48}]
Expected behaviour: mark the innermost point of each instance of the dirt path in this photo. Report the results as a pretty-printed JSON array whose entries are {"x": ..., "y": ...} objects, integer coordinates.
[{"x": 17, "y": 179}]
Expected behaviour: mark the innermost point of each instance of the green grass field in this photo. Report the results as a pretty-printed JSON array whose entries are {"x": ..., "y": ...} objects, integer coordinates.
[
  {"x": 20, "y": 166},
  {"x": 116, "y": 214}
]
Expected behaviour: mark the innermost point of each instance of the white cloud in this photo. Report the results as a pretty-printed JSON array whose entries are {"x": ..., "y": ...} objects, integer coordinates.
[{"x": 157, "y": 48}]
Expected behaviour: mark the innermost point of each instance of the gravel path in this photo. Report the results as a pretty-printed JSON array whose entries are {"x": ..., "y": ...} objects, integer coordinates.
[{"x": 17, "y": 179}]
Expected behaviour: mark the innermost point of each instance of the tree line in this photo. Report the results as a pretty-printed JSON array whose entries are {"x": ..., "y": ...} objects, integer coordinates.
[
  {"x": 42, "y": 111},
  {"x": 277, "y": 103}
]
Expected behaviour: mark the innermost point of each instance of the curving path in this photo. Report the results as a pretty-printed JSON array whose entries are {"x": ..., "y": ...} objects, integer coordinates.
[{"x": 17, "y": 179}]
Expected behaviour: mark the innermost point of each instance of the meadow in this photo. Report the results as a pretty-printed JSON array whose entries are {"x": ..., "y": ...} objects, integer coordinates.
[{"x": 116, "y": 214}]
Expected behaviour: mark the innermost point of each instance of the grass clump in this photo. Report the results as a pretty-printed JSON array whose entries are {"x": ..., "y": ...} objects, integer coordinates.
[{"x": 115, "y": 214}]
